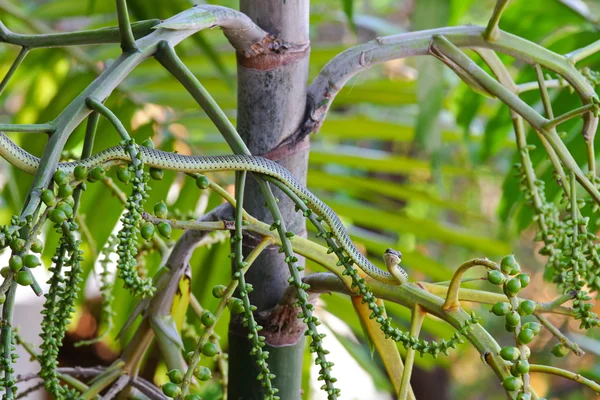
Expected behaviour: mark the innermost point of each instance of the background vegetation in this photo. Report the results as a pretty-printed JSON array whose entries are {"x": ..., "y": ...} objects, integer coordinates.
[{"x": 409, "y": 157}]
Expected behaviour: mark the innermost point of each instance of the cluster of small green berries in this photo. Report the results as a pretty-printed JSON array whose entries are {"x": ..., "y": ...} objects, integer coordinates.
[
  {"x": 10, "y": 234},
  {"x": 248, "y": 321},
  {"x": 59, "y": 305},
  {"x": 172, "y": 389},
  {"x": 512, "y": 281},
  {"x": 306, "y": 314},
  {"x": 106, "y": 291},
  {"x": 422, "y": 346},
  {"x": 9, "y": 357},
  {"x": 128, "y": 236},
  {"x": 573, "y": 260}
]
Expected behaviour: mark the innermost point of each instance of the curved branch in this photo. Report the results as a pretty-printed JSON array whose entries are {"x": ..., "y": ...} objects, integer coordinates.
[
  {"x": 565, "y": 374},
  {"x": 347, "y": 64}
]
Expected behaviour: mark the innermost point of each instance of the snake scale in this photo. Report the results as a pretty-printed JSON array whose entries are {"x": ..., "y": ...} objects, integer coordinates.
[{"x": 199, "y": 164}]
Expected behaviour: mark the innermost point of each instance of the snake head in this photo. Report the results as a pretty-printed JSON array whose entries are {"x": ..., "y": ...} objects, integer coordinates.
[{"x": 392, "y": 257}]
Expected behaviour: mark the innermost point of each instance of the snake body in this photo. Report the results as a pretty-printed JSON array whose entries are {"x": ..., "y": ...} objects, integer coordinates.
[{"x": 200, "y": 164}]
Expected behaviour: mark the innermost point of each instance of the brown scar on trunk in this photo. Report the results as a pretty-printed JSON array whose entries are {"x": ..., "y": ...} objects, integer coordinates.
[{"x": 272, "y": 53}]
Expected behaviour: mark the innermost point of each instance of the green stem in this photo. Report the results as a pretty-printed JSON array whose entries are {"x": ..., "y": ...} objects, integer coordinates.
[
  {"x": 416, "y": 322},
  {"x": 13, "y": 68},
  {"x": 447, "y": 49},
  {"x": 549, "y": 306},
  {"x": 552, "y": 83},
  {"x": 452, "y": 295},
  {"x": 207, "y": 332},
  {"x": 577, "y": 55},
  {"x": 166, "y": 55},
  {"x": 484, "y": 297},
  {"x": 491, "y": 31},
  {"x": 88, "y": 145},
  {"x": 6, "y": 337},
  {"x": 125, "y": 33},
  {"x": 550, "y": 115},
  {"x": 104, "y": 380},
  {"x": 101, "y": 109},
  {"x": 558, "y": 334},
  {"x": 565, "y": 374},
  {"x": 570, "y": 114},
  {"x": 28, "y": 128}
]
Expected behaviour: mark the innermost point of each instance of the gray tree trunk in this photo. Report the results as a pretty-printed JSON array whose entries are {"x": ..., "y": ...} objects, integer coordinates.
[{"x": 271, "y": 103}]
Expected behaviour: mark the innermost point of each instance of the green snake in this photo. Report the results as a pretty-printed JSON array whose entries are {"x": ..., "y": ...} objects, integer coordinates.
[{"x": 199, "y": 164}]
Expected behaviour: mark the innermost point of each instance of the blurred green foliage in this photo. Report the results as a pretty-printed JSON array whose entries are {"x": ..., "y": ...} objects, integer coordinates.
[{"x": 409, "y": 156}]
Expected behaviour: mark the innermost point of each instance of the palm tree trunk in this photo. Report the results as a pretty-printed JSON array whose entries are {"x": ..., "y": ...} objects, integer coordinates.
[{"x": 271, "y": 103}]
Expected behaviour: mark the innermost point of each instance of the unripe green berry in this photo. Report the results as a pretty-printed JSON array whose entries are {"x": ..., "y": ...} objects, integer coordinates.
[
  {"x": 210, "y": 349},
  {"x": 533, "y": 326},
  {"x": 57, "y": 216},
  {"x": 516, "y": 269},
  {"x": 202, "y": 182},
  {"x": 560, "y": 350},
  {"x": 147, "y": 230},
  {"x": 219, "y": 291},
  {"x": 37, "y": 246},
  {"x": 24, "y": 278},
  {"x": 17, "y": 245},
  {"x": 65, "y": 191},
  {"x": 68, "y": 200},
  {"x": 5, "y": 272},
  {"x": 15, "y": 263},
  {"x": 527, "y": 353},
  {"x": 524, "y": 396},
  {"x": 496, "y": 277},
  {"x": 512, "y": 318},
  {"x": 527, "y": 307},
  {"x": 123, "y": 174},
  {"x": 202, "y": 373},
  {"x": 66, "y": 208},
  {"x": 96, "y": 174},
  {"x": 61, "y": 177},
  {"x": 236, "y": 306},
  {"x": 160, "y": 209},
  {"x": 208, "y": 319},
  {"x": 522, "y": 367},
  {"x": 164, "y": 229},
  {"x": 512, "y": 383},
  {"x": 2, "y": 298},
  {"x": 524, "y": 279},
  {"x": 157, "y": 174},
  {"x": 171, "y": 390},
  {"x": 507, "y": 264},
  {"x": 48, "y": 197},
  {"x": 510, "y": 353},
  {"x": 80, "y": 172},
  {"x": 501, "y": 309},
  {"x": 31, "y": 261},
  {"x": 526, "y": 336},
  {"x": 148, "y": 143},
  {"x": 175, "y": 375},
  {"x": 513, "y": 286}
]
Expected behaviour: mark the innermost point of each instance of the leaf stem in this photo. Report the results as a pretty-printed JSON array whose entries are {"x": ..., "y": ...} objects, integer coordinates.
[
  {"x": 13, "y": 68},
  {"x": 452, "y": 295},
  {"x": 569, "y": 114},
  {"x": 28, "y": 128},
  {"x": 546, "y": 369},
  {"x": 416, "y": 322},
  {"x": 558, "y": 334},
  {"x": 491, "y": 31},
  {"x": 126, "y": 34},
  {"x": 577, "y": 55}
]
